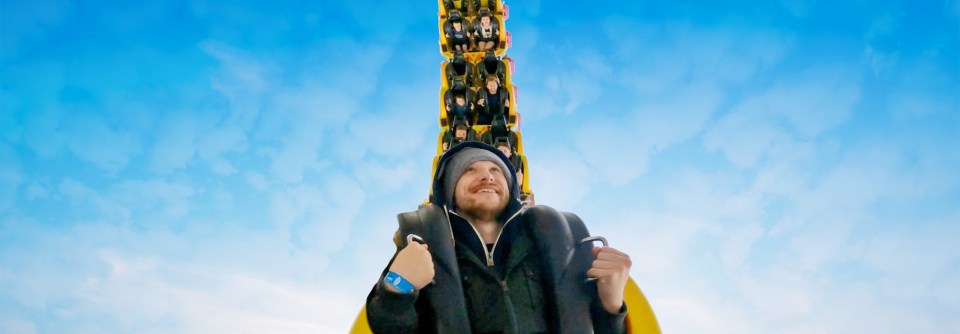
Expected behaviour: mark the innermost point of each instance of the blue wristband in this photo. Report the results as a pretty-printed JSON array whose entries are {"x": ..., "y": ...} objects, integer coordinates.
[{"x": 398, "y": 282}]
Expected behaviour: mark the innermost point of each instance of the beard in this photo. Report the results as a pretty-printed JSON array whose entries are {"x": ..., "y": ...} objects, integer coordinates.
[{"x": 481, "y": 211}]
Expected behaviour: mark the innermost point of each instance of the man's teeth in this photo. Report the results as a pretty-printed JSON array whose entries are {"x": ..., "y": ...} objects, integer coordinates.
[{"x": 486, "y": 190}]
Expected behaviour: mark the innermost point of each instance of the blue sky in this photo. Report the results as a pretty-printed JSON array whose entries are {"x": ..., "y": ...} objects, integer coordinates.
[{"x": 196, "y": 167}]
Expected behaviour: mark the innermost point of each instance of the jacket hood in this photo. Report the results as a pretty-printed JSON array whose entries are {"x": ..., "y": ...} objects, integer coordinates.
[{"x": 436, "y": 197}]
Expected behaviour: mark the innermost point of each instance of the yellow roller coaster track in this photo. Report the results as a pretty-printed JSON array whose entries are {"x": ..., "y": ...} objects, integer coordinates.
[{"x": 640, "y": 317}]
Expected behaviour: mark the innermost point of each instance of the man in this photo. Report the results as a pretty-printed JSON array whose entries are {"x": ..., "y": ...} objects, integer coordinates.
[
  {"x": 494, "y": 100},
  {"x": 461, "y": 133},
  {"x": 514, "y": 159},
  {"x": 490, "y": 265}
]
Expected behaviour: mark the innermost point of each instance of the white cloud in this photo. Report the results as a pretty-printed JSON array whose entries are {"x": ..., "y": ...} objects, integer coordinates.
[
  {"x": 237, "y": 280},
  {"x": 880, "y": 62},
  {"x": 791, "y": 110},
  {"x": 386, "y": 177},
  {"x": 302, "y": 113},
  {"x": 36, "y": 190},
  {"x": 677, "y": 116},
  {"x": 13, "y": 325},
  {"x": 537, "y": 104},
  {"x": 319, "y": 218},
  {"x": 563, "y": 178},
  {"x": 257, "y": 181},
  {"x": 744, "y": 135},
  {"x": 398, "y": 126},
  {"x": 818, "y": 101},
  {"x": 797, "y": 244},
  {"x": 672, "y": 107},
  {"x": 149, "y": 200},
  {"x": 175, "y": 145},
  {"x": 525, "y": 37},
  {"x": 43, "y": 132},
  {"x": 789, "y": 238},
  {"x": 560, "y": 93},
  {"x": 907, "y": 256},
  {"x": 912, "y": 103},
  {"x": 213, "y": 145},
  {"x": 239, "y": 71},
  {"x": 657, "y": 57},
  {"x": 299, "y": 154},
  {"x": 615, "y": 163},
  {"x": 200, "y": 298},
  {"x": 654, "y": 126},
  {"x": 95, "y": 141},
  {"x": 11, "y": 177},
  {"x": 170, "y": 198},
  {"x": 90, "y": 201}
]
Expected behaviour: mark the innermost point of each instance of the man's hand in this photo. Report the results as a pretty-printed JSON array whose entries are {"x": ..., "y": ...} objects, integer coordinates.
[
  {"x": 414, "y": 264},
  {"x": 611, "y": 268}
]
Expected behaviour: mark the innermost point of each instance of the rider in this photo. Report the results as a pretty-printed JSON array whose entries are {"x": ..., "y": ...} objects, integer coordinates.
[{"x": 495, "y": 265}]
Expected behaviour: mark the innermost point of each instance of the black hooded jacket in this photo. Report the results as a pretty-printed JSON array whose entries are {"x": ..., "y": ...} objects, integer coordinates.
[{"x": 532, "y": 280}]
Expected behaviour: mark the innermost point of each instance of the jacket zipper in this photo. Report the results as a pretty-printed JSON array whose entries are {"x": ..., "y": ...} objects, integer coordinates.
[{"x": 487, "y": 253}]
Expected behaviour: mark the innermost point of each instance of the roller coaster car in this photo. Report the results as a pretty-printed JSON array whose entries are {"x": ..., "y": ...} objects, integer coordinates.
[
  {"x": 509, "y": 149},
  {"x": 639, "y": 318},
  {"x": 495, "y": 6},
  {"x": 448, "y": 32},
  {"x": 470, "y": 6},
  {"x": 515, "y": 157},
  {"x": 446, "y": 26},
  {"x": 525, "y": 184},
  {"x": 448, "y": 98},
  {"x": 448, "y": 6},
  {"x": 476, "y": 28},
  {"x": 459, "y": 68},
  {"x": 485, "y": 115},
  {"x": 499, "y": 132},
  {"x": 456, "y": 134},
  {"x": 492, "y": 65}
]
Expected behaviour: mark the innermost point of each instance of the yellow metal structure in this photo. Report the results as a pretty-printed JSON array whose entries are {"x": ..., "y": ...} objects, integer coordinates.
[
  {"x": 640, "y": 317},
  {"x": 469, "y": 12},
  {"x": 513, "y": 118},
  {"x": 464, "y": 7}
]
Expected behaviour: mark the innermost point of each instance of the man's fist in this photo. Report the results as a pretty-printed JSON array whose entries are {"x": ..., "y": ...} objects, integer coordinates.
[
  {"x": 611, "y": 268},
  {"x": 414, "y": 264}
]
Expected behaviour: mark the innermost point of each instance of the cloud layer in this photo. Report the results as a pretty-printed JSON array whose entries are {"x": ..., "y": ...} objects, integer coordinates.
[{"x": 783, "y": 167}]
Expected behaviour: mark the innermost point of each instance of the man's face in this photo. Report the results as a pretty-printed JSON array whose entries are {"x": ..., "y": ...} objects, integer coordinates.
[
  {"x": 461, "y": 101},
  {"x": 505, "y": 150},
  {"x": 482, "y": 191},
  {"x": 460, "y": 134},
  {"x": 492, "y": 85}
]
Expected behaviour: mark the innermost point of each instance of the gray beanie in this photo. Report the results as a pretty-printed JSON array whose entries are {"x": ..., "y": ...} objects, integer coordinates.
[{"x": 457, "y": 165}]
